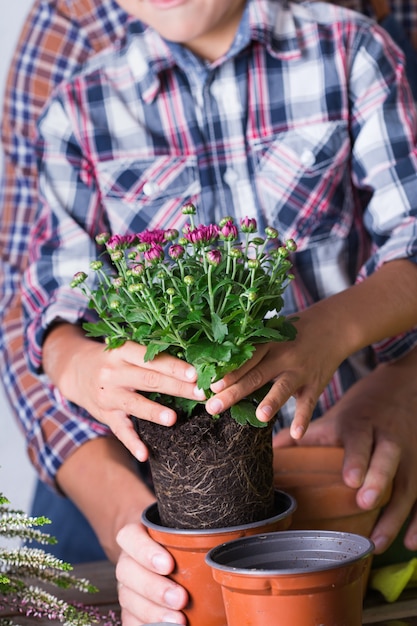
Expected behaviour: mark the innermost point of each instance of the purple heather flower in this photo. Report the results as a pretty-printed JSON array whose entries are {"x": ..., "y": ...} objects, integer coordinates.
[
  {"x": 154, "y": 253},
  {"x": 176, "y": 251},
  {"x": 214, "y": 257},
  {"x": 248, "y": 225}
]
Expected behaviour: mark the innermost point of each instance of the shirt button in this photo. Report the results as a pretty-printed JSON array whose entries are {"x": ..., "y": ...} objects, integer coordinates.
[
  {"x": 150, "y": 188},
  {"x": 230, "y": 176},
  {"x": 307, "y": 158}
]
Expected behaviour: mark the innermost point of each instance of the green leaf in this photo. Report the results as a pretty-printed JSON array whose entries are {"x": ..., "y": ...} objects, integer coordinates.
[
  {"x": 244, "y": 413},
  {"x": 218, "y": 327},
  {"x": 154, "y": 348},
  {"x": 208, "y": 351}
]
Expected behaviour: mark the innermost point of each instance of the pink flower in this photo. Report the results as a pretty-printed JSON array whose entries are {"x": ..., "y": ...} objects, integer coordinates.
[
  {"x": 214, "y": 257},
  {"x": 228, "y": 231},
  {"x": 248, "y": 225},
  {"x": 176, "y": 251},
  {"x": 154, "y": 253},
  {"x": 119, "y": 242},
  {"x": 152, "y": 236}
]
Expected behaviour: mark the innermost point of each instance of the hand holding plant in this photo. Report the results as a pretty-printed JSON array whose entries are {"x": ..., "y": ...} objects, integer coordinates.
[{"x": 208, "y": 296}]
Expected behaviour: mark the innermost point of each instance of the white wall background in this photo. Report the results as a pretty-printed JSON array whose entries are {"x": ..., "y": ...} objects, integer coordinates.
[{"x": 16, "y": 473}]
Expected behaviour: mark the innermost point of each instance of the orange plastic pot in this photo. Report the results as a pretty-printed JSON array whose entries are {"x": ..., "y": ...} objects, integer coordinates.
[
  {"x": 313, "y": 476},
  {"x": 297, "y": 578},
  {"x": 189, "y": 549}
]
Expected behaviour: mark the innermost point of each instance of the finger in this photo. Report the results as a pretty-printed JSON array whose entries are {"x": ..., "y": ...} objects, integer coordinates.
[
  {"x": 123, "y": 429},
  {"x": 306, "y": 400},
  {"x": 410, "y": 537},
  {"x": 380, "y": 475},
  {"x": 390, "y": 522},
  {"x": 166, "y": 364},
  {"x": 148, "y": 595}
]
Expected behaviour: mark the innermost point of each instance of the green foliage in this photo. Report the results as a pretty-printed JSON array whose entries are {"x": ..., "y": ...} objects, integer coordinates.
[{"x": 208, "y": 296}]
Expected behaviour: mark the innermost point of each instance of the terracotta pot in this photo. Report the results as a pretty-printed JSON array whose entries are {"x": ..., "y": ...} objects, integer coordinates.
[
  {"x": 189, "y": 548},
  {"x": 302, "y": 578},
  {"x": 313, "y": 476}
]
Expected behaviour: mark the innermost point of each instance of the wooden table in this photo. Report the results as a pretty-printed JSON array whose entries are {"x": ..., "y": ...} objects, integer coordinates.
[{"x": 101, "y": 574}]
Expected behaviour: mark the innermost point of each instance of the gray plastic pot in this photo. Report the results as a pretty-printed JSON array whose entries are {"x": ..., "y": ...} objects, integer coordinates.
[{"x": 303, "y": 578}]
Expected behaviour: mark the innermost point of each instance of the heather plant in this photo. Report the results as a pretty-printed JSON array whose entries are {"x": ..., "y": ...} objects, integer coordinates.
[
  {"x": 24, "y": 571},
  {"x": 208, "y": 295}
]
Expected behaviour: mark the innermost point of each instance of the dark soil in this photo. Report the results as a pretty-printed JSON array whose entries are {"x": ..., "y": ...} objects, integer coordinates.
[{"x": 210, "y": 473}]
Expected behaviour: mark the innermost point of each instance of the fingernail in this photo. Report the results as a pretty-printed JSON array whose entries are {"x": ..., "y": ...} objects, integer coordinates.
[
  {"x": 370, "y": 497},
  {"x": 199, "y": 393},
  {"x": 173, "y": 598},
  {"x": 297, "y": 432},
  {"x": 166, "y": 418},
  {"x": 218, "y": 386},
  {"x": 214, "y": 406},
  {"x": 354, "y": 477},
  {"x": 161, "y": 563},
  {"x": 191, "y": 373},
  {"x": 380, "y": 543},
  {"x": 266, "y": 411}
]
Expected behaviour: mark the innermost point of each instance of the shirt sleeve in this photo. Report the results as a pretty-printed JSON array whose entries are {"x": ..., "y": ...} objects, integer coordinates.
[
  {"x": 56, "y": 38},
  {"x": 384, "y": 162}
]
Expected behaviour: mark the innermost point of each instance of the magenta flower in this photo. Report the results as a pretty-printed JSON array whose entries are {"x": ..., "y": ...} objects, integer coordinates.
[
  {"x": 228, "y": 231},
  {"x": 176, "y": 251},
  {"x": 120, "y": 242},
  {"x": 214, "y": 257},
  {"x": 248, "y": 225},
  {"x": 154, "y": 253},
  {"x": 152, "y": 236}
]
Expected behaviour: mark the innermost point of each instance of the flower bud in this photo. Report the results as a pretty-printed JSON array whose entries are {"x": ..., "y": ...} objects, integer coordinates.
[
  {"x": 236, "y": 253},
  {"x": 254, "y": 264},
  {"x": 189, "y": 280},
  {"x": 188, "y": 209},
  {"x": 102, "y": 238},
  {"x": 291, "y": 245},
  {"x": 96, "y": 265},
  {"x": 118, "y": 282},
  {"x": 214, "y": 257},
  {"x": 271, "y": 233},
  {"x": 176, "y": 251},
  {"x": 226, "y": 220},
  {"x": 79, "y": 278},
  {"x": 116, "y": 255},
  {"x": 248, "y": 225}
]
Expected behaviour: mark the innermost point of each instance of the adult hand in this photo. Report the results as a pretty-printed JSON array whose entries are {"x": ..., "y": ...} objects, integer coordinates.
[
  {"x": 106, "y": 382},
  {"x": 145, "y": 592},
  {"x": 300, "y": 368},
  {"x": 376, "y": 423}
]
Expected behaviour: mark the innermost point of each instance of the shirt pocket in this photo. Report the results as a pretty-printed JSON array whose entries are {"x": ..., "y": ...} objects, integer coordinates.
[
  {"x": 302, "y": 178},
  {"x": 147, "y": 193}
]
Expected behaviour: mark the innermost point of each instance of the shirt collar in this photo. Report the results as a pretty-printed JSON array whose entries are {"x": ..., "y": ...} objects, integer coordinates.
[{"x": 271, "y": 22}]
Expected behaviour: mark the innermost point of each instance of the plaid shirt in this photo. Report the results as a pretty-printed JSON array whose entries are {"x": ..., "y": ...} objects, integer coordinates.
[
  {"x": 302, "y": 124},
  {"x": 57, "y": 37}
]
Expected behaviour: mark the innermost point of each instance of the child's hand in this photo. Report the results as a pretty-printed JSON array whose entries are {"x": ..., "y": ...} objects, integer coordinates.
[
  {"x": 300, "y": 368},
  {"x": 106, "y": 382}
]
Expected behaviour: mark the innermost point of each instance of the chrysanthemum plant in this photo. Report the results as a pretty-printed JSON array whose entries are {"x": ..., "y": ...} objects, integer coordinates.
[
  {"x": 24, "y": 571},
  {"x": 208, "y": 296}
]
